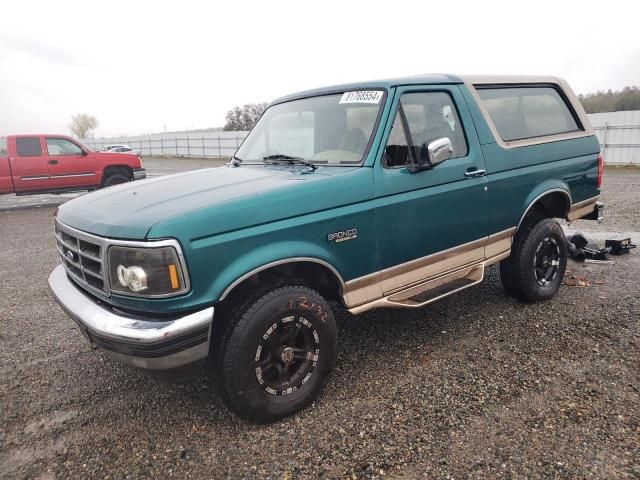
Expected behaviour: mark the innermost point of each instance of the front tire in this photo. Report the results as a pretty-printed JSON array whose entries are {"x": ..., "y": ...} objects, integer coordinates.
[
  {"x": 115, "y": 179},
  {"x": 276, "y": 352},
  {"x": 535, "y": 269}
]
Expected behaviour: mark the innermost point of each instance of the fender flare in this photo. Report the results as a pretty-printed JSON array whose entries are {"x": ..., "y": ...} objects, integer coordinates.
[
  {"x": 283, "y": 261},
  {"x": 531, "y": 203}
]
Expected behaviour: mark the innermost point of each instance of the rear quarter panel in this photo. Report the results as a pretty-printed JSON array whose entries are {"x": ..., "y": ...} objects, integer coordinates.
[{"x": 518, "y": 175}]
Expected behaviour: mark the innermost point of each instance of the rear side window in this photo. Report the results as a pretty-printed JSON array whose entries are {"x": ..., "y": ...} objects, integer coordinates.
[
  {"x": 527, "y": 112},
  {"x": 28, "y": 147},
  {"x": 3, "y": 147}
]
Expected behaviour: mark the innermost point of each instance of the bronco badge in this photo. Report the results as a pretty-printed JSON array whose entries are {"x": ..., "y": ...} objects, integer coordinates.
[{"x": 343, "y": 235}]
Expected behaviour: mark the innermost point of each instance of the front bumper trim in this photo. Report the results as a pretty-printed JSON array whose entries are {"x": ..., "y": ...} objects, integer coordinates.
[
  {"x": 154, "y": 344},
  {"x": 139, "y": 173}
]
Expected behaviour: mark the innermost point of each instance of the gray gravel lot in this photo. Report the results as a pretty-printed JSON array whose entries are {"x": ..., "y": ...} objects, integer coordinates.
[
  {"x": 156, "y": 166},
  {"x": 475, "y": 386}
]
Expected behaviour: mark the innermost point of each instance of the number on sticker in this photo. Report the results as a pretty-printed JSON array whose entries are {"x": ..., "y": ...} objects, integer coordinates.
[{"x": 362, "y": 96}]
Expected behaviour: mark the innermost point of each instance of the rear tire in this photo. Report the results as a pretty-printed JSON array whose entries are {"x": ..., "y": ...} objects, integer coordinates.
[
  {"x": 276, "y": 351},
  {"x": 535, "y": 269},
  {"x": 115, "y": 179}
]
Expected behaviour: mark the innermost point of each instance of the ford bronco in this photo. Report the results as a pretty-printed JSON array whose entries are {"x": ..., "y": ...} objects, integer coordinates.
[{"x": 390, "y": 193}]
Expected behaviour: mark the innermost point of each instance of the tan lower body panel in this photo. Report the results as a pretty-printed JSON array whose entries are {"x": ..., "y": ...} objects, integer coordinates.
[
  {"x": 391, "y": 286},
  {"x": 362, "y": 290},
  {"x": 386, "y": 287},
  {"x": 398, "y": 277},
  {"x": 580, "y": 209}
]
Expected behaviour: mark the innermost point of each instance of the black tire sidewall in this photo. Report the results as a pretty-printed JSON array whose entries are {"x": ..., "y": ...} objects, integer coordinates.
[
  {"x": 115, "y": 179},
  {"x": 244, "y": 392},
  {"x": 529, "y": 287}
]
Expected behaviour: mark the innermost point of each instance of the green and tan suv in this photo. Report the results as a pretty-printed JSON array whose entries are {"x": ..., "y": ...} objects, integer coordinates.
[{"x": 390, "y": 193}]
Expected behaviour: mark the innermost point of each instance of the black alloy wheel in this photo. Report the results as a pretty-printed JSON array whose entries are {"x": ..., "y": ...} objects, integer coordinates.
[
  {"x": 546, "y": 261},
  {"x": 274, "y": 350},
  {"x": 287, "y": 355},
  {"x": 535, "y": 269}
]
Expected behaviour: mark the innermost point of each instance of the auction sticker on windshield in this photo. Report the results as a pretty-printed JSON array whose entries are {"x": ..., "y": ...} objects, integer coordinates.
[{"x": 362, "y": 96}]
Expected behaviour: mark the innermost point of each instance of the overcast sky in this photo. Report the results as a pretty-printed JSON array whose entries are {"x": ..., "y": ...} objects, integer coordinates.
[{"x": 142, "y": 67}]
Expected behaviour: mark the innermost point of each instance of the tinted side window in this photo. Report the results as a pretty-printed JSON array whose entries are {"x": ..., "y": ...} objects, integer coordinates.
[
  {"x": 428, "y": 116},
  {"x": 62, "y": 146},
  {"x": 3, "y": 146},
  {"x": 526, "y": 112},
  {"x": 432, "y": 115},
  {"x": 28, "y": 147}
]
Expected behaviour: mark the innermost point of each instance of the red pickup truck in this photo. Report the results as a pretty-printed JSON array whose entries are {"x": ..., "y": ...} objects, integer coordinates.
[{"x": 56, "y": 163}]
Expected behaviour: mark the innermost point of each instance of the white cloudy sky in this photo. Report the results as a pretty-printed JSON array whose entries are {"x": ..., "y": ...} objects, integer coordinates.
[{"x": 142, "y": 66}]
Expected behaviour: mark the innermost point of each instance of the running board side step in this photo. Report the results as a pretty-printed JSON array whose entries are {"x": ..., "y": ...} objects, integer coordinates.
[{"x": 428, "y": 291}]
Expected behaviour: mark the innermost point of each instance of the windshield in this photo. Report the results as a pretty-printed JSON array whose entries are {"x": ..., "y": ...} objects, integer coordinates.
[{"x": 329, "y": 129}]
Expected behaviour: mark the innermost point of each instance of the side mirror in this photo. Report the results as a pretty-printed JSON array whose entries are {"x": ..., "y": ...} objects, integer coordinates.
[
  {"x": 433, "y": 153},
  {"x": 439, "y": 150}
]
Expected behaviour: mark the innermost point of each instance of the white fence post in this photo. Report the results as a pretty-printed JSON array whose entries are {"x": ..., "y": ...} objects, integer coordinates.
[{"x": 604, "y": 140}]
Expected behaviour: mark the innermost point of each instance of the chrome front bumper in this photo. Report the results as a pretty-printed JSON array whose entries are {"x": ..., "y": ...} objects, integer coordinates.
[
  {"x": 153, "y": 344},
  {"x": 139, "y": 173}
]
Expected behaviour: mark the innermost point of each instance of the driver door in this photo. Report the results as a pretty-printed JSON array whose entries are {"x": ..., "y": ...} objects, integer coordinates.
[
  {"x": 431, "y": 221},
  {"x": 69, "y": 164}
]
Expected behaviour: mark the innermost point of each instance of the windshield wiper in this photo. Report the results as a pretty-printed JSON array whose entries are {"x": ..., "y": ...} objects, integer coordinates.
[
  {"x": 235, "y": 161},
  {"x": 289, "y": 159}
]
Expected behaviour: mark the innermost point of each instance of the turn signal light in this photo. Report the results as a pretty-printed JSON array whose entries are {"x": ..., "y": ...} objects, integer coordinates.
[{"x": 173, "y": 276}]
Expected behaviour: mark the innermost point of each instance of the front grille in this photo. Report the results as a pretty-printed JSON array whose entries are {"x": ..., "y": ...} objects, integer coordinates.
[{"x": 83, "y": 257}]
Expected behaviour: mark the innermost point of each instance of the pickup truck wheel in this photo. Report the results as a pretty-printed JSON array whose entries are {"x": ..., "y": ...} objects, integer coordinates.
[
  {"x": 535, "y": 269},
  {"x": 115, "y": 179},
  {"x": 276, "y": 352}
]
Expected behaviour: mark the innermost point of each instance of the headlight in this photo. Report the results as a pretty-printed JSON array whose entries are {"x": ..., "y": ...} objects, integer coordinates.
[
  {"x": 134, "y": 278},
  {"x": 148, "y": 272}
]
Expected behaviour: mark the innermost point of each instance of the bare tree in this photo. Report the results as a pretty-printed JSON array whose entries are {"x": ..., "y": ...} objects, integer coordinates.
[
  {"x": 82, "y": 123},
  {"x": 245, "y": 117}
]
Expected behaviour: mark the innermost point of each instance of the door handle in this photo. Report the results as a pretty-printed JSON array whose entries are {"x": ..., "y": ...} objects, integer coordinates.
[
  {"x": 53, "y": 162},
  {"x": 474, "y": 172}
]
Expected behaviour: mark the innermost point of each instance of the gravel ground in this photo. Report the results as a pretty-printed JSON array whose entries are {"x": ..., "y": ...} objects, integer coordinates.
[
  {"x": 156, "y": 166},
  {"x": 621, "y": 195},
  {"x": 475, "y": 386}
]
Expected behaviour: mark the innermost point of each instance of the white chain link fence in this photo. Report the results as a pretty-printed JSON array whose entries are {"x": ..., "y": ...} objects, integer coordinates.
[{"x": 195, "y": 145}]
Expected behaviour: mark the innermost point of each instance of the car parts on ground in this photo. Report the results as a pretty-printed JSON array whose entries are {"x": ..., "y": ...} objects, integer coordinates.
[{"x": 581, "y": 249}]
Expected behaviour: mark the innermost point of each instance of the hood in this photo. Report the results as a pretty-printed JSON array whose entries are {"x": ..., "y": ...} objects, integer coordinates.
[{"x": 130, "y": 210}]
